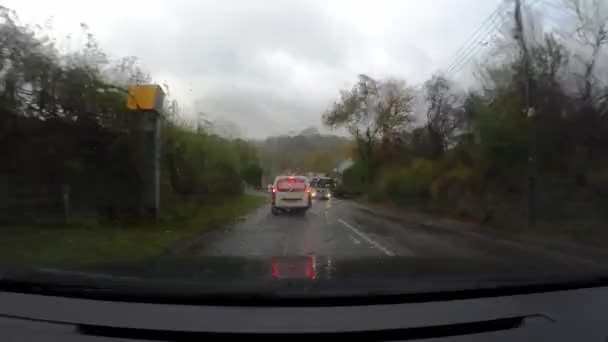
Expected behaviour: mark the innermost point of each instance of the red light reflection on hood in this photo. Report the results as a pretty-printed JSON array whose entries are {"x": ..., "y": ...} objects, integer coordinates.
[{"x": 293, "y": 267}]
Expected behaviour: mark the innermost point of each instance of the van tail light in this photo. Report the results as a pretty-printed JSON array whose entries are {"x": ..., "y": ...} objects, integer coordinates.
[
  {"x": 274, "y": 194},
  {"x": 309, "y": 268}
]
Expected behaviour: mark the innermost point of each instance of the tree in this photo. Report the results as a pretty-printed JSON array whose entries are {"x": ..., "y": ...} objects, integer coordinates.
[
  {"x": 251, "y": 171},
  {"x": 589, "y": 123},
  {"x": 442, "y": 115},
  {"x": 281, "y": 153},
  {"x": 63, "y": 120},
  {"x": 319, "y": 161},
  {"x": 247, "y": 152},
  {"x": 252, "y": 174},
  {"x": 372, "y": 111},
  {"x": 592, "y": 34}
]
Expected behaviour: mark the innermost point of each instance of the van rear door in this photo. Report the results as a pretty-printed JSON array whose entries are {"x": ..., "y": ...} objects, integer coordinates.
[{"x": 291, "y": 191}]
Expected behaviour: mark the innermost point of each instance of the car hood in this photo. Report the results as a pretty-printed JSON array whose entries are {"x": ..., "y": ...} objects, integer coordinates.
[{"x": 292, "y": 276}]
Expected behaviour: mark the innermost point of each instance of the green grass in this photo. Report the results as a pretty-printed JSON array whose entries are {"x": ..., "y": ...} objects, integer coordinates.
[
  {"x": 593, "y": 234},
  {"x": 588, "y": 233},
  {"x": 93, "y": 242}
]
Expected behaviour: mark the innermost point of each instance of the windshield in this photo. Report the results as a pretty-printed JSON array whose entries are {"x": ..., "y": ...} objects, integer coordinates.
[
  {"x": 325, "y": 183},
  {"x": 391, "y": 143}
]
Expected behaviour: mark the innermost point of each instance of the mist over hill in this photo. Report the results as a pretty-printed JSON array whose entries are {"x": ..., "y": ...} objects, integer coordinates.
[{"x": 305, "y": 151}]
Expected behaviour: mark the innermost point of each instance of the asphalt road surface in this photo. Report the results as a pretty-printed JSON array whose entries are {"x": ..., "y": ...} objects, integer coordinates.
[{"x": 337, "y": 228}]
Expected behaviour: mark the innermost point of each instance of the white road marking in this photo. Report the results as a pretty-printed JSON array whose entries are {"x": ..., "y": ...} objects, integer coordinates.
[
  {"x": 354, "y": 239},
  {"x": 367, "y": 238}
]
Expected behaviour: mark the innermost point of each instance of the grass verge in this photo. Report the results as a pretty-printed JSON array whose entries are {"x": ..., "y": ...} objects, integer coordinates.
[
  {"x": 94, "y": 242},
  {"x": 567, "y": 234}
]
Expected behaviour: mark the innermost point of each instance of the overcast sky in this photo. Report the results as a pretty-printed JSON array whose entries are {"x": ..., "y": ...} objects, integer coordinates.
[{"x": 269, "y": 66}]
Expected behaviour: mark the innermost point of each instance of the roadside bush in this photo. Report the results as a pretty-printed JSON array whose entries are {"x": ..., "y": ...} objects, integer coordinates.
[
  {"x": 72, "y": 131},
  {"x": 410, "y": 184},
  {"x": 377, "y": 192},
  {"x": 598, "y": 181},
  {"x": 353, "y": 179},
  {"x": 201, "y": 165},
  {"x": 252, "y": 174},
  {"x": 455, "y": 181},
  {"x": 341, "y": 191}
]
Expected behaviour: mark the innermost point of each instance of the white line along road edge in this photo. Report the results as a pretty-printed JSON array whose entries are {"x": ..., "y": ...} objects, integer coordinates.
[
  {"x": 367, "y": 239},
  {"x": 354, "y": 239}
]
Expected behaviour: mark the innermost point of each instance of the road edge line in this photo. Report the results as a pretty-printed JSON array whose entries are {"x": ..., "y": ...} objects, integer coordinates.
[{"x": 367, "y": 239}]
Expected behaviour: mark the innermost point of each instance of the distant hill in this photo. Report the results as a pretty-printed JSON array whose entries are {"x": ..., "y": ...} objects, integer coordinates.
[
  {"x": 295, "y": 152},
  {"x": 310, "y": 131}
]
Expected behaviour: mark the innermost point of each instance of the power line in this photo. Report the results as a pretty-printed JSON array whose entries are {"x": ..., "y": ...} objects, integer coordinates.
[
  {"x": 472, "y": 40},
  {"x": 476, "y": 45},
  {"x": 474, "y": 36},
  {"x": 475, "y": 48}
]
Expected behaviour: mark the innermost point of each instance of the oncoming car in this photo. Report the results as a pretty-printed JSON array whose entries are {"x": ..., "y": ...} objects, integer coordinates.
[
  {"x": 322, "y": 187},
  {"x": 291, "y": 193}
]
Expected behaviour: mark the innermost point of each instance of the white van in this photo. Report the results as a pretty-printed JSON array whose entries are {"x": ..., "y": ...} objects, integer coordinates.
[{"x": 291, "y": 193}]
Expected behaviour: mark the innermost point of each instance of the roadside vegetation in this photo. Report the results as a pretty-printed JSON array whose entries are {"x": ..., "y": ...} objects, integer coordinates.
[
  {"x": 465, "y": 152},
  {"x": 65, "y": 129},
  {"x": 93, "y": 241}
]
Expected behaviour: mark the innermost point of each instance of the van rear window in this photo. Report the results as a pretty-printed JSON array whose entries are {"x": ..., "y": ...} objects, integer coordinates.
[{"x": 291, "y": 184}]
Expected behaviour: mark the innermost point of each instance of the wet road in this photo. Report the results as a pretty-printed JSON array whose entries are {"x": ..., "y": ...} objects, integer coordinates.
[{"x": 338, "y": 228}]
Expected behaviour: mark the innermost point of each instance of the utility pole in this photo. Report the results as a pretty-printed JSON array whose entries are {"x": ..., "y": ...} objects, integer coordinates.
[{"x": 529, "y": 111}]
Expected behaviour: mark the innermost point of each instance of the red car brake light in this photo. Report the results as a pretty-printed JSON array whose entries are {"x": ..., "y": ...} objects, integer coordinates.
[{"x": 309, "y": 268}]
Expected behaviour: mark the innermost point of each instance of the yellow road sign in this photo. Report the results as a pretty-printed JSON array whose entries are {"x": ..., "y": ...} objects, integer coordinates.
[{"x": 146, "y": 97}]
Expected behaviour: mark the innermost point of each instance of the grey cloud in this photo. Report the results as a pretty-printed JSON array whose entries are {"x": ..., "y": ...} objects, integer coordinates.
[
  {"x": 274, "y": 66},
  {"x": 258, "y": 112},
  {"x": 227, "y": 55},
  {"x": 200, "y": 39}
]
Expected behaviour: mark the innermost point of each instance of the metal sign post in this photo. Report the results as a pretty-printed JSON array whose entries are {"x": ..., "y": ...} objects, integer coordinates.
[
  {"x": 150, "y": 125},
  {"x": 146, "y": 101}
]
